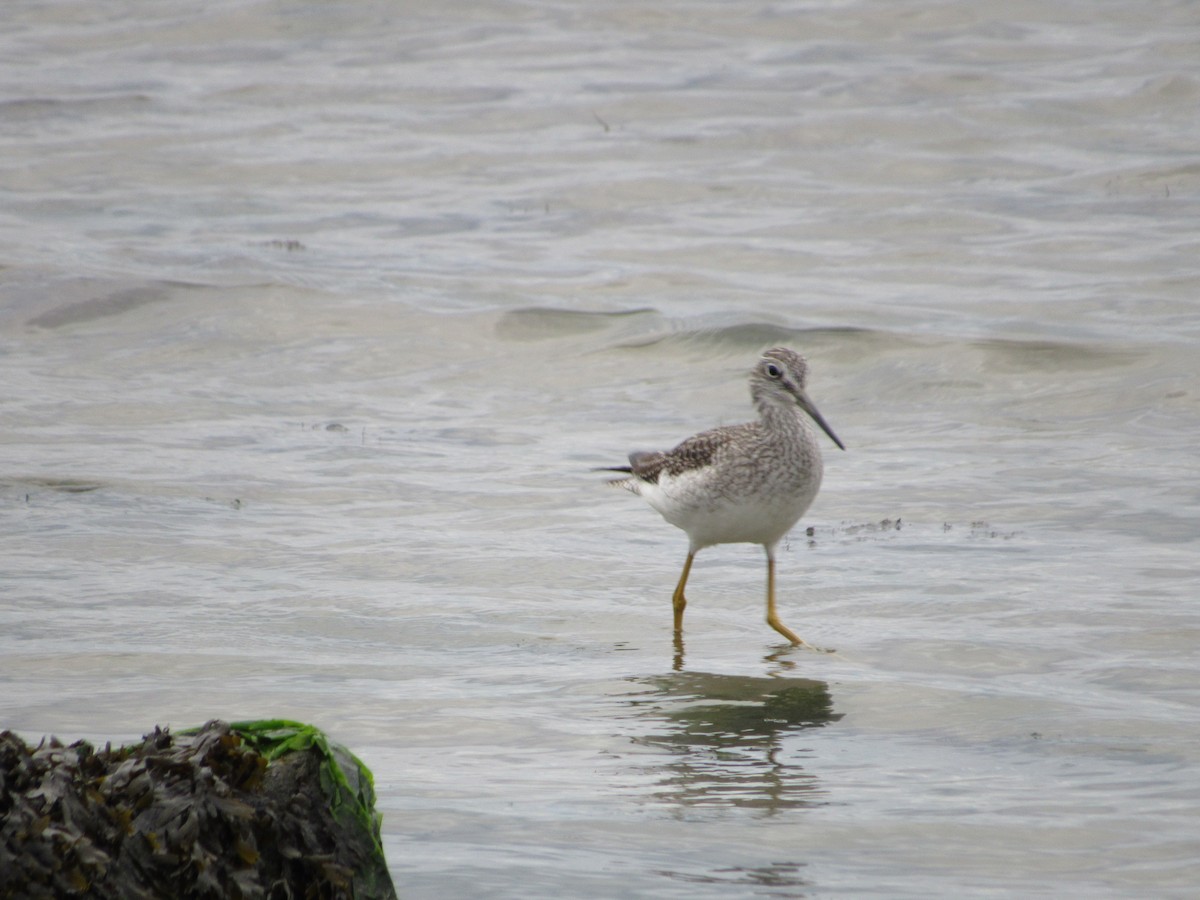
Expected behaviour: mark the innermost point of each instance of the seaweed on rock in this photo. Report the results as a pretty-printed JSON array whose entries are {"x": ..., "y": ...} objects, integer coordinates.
[{"x": 267, "y": 810}]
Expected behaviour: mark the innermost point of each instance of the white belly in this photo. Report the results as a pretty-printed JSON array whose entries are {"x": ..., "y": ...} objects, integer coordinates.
[{"x": 762, "y": 516}]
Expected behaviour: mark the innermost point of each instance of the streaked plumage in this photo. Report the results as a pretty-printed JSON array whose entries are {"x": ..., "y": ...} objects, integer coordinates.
[{"x": 745, "y": 483}]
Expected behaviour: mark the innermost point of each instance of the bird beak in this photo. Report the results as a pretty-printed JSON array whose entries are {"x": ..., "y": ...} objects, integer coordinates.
[{"x": 808, "y": 407}]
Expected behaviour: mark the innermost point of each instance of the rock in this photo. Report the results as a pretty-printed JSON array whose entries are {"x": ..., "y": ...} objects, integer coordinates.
[{"x": 268, "y": 810}]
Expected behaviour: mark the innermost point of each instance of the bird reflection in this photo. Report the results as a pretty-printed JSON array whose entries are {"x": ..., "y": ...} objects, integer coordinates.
[{"x": 725, "y": 733}]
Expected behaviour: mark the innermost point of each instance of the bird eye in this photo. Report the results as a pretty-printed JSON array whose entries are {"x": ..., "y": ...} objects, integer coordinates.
[{"x": 773, "y": 370}]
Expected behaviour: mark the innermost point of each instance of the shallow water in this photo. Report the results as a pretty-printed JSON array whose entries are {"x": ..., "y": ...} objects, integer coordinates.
[{"x": 314, "y": 319}]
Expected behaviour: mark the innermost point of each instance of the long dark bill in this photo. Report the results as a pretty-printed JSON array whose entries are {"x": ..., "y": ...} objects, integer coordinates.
[{"x": 808, "y": 407}]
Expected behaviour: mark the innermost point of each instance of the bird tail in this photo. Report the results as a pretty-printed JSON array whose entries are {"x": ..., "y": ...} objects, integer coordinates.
[{"x": 629, "y": 483}]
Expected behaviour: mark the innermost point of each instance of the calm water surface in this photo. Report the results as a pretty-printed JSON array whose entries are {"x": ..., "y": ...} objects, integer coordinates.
[{"x": 315, "y": 317}]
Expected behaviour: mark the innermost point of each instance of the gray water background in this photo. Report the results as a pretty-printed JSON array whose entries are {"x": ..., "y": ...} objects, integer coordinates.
[{"x": 315, "y": 316}]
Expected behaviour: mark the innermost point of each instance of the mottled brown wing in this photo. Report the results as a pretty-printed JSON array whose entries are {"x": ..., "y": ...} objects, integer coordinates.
[
  {"x": 701, "y": 449},
  {"x": 696, "y": 452}
]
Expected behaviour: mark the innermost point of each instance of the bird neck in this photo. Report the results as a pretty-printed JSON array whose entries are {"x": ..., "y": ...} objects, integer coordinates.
[{"x": 780, "y": 415}]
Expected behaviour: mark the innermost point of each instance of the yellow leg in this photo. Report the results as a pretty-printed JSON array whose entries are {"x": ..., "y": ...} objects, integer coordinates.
[
  {"x": 678, "y": 601},
  {"x": 772, "y": 616}
]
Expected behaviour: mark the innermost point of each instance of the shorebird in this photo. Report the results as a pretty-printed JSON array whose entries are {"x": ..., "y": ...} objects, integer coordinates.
[{"x": 746, "y": 483}]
